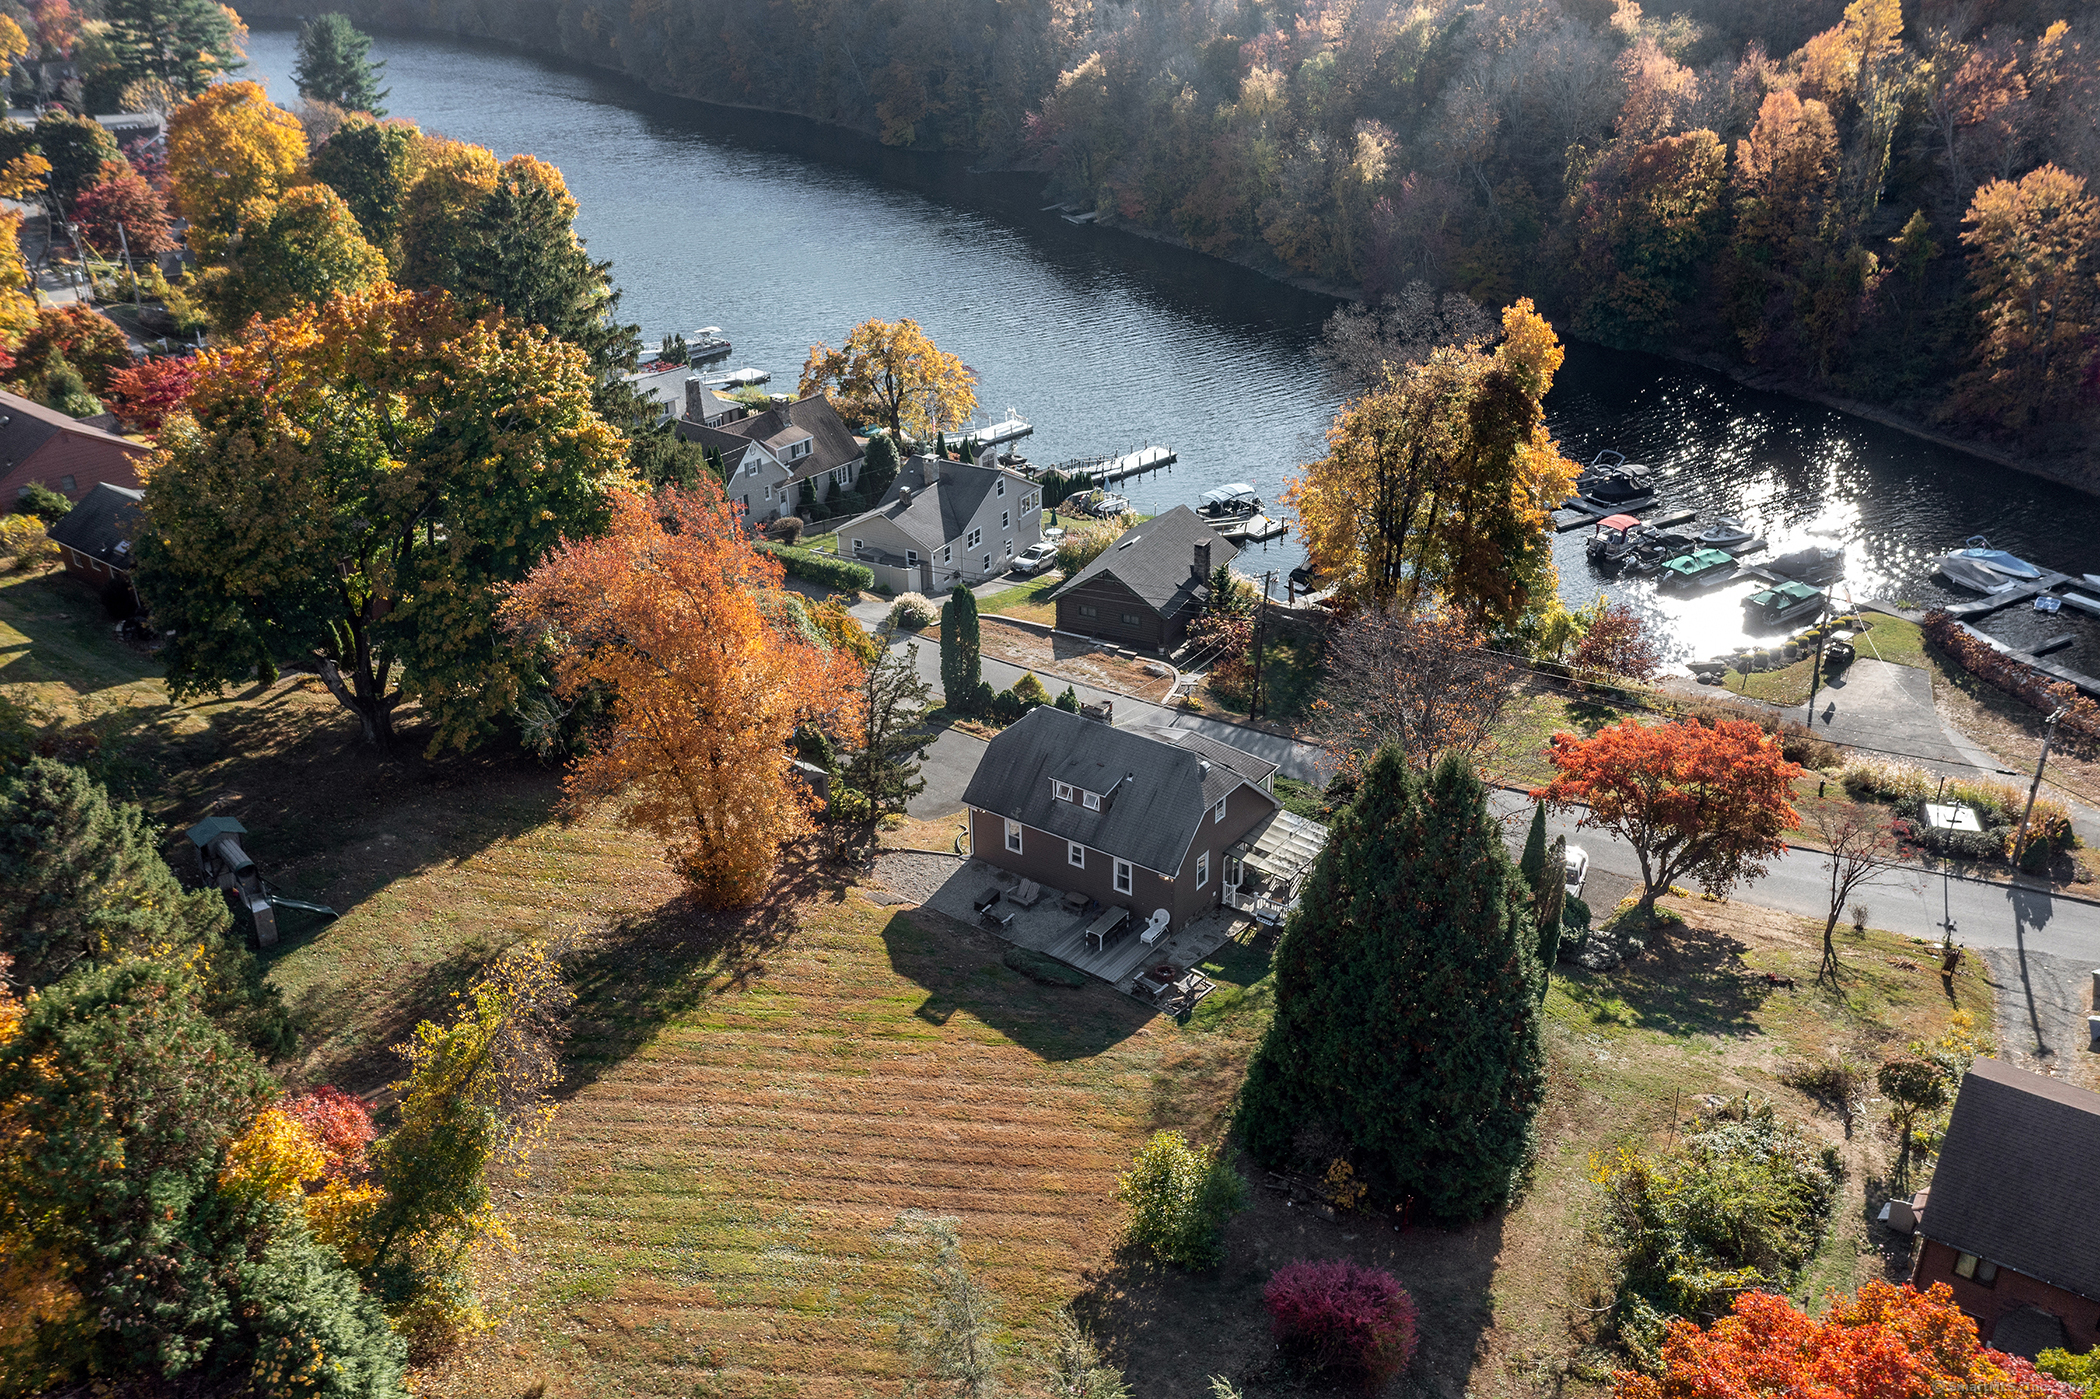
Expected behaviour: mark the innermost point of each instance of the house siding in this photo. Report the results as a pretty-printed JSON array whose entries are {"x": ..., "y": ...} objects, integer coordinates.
[
  {"x": 1043, "y": 859},
  {"x": 89, "y": 460},
  {"x": 1111, "y": 600},
  {"x": 2010, "y": 1292}
]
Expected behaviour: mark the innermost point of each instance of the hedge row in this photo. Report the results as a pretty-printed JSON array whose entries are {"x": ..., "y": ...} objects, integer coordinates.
[
  {"x": 828, "y": 569},
  {"x": 2016, "y": 678}
]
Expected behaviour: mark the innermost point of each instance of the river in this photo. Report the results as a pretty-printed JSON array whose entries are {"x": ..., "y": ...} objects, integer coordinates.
[{"x": 786, "y": 234}]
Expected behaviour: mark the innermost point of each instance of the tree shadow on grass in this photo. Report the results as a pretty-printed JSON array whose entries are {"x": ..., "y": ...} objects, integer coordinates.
[
  {"x": 1686, "y": 982},
  {"x": 1170, "y": 1329},
  {"x": 633, "y": 977},
  {"x": 961, "y": 969}
]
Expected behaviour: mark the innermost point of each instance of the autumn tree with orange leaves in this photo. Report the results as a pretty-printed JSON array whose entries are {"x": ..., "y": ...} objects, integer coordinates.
[
  {"x": 1888, "y": 1342},
  {"x": 1706, "y": 802},
  {"x": 690, "y": 630}
]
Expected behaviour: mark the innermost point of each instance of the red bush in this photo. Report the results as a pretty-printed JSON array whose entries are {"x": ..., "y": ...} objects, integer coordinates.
[
  {"x": 2016, "y": 678},
  {"x": 1342, "y": 1315},
  {"x": 343, "y": 1124}
]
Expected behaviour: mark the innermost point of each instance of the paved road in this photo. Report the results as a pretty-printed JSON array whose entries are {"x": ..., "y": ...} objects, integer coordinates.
[{"x": 1906, "y": 901}]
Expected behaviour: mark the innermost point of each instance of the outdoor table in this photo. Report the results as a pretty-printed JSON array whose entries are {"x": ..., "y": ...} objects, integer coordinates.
[{"x": 1107, "y": 927}]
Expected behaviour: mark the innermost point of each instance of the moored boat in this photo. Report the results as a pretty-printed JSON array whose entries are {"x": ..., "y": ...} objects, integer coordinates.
[
  {"x": 1698, "y": 567},
  {"x": 1816, "y": 564},
  {"x": 1233, "y": 502},
  {"x": 1782, "y": 604},
  {"x": 1253, "y": 530},
  {"x": 1725, "y": 533},
  {"x": 1978, "y": 548},
  {"x": 1966, "y": 571},
  {"x": 1614, "y": 542}
]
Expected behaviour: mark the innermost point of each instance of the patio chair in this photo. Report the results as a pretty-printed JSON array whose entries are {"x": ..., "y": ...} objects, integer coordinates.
[{"x": 1026, "y": 893}]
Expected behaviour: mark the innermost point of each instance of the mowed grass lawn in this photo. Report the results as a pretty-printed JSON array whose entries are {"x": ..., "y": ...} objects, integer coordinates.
[{"x": 754, "y": 1100}]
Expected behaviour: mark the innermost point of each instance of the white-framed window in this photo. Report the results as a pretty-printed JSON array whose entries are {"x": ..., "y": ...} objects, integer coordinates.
[
  {"x": 751, "y": 467},
  {"x": 798, "y": 451},
  {"x": 1122, "y": 876},
  {"x": 1013, "y": 836},
  {"x": 976, "y": 538},
  {"x": 947, "y": 553},
  {"x": 1002, "y": 486},
  {"x": 1006, "y": 519},
  {"x": 1203, "y": 869},
  {"x": 1092, "y": 802},
  {"x": 769, "y": 493},
  {"x": 1009, "y": 548},
  {"x": 858, "y": 546},
  {"x": 987, "y": 563},
  {"x": 1075, "y": 854},
  {"x": 842, "y": 474},
  {"x": 1217, "y": 813},
  {"x": 1061, "y": 790},
  {"x": 911, "y": 558}
]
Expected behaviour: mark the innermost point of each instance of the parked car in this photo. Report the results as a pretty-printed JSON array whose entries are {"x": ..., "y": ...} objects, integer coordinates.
[
  {"x": 1035, "y": 558},
  {"x": 1578, "y": 870}
]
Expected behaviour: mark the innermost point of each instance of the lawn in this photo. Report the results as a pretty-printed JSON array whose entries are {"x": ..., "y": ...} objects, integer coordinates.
[
  {"x": 1031, "y": 601},
  {"x": 1885, "y": 638}
]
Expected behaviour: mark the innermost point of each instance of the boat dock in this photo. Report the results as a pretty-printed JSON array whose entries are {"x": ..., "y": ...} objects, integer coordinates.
[
  {"x": 2011, "y": 597},
  {"x": 1012, "y": 428},
  {"x": 1102, "y": 470},
  {"x": 1588, "y": 514},
  {"x": 2084, "y": 684}
]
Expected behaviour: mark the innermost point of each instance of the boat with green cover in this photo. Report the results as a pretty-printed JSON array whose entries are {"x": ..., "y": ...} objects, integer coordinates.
[
  {"x": 1781, "y": 604},
  {"x": 1699, "y": 566}
]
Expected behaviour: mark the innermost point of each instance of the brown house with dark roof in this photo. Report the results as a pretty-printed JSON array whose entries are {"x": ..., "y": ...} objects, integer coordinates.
[
  {"x": 1132, "y": 820},
  {"x": 2009, "y": 1222},
  {"x": 771, "y": 457},
  {"x": 69, "y": 455},
  {"x": 1148, "y": 585},
  {"x": 96, "y": 539}
]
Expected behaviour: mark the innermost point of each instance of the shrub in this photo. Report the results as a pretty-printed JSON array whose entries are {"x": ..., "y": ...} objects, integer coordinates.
[
  {"x": 23, "y": 542},
  {"x": 1007, "y": 706},
  {"x": 1180, "y": 1196},
  {"x": 1069, "y": 700},
  {"x": 1574, "y": 913},
  {"x": 828, "y": 569},
  {"x": 787, "y": 529},
  {"x": 44, "y": 503},
  {"x": 1339, "y": 1315},
  {"x": 1030, "y": 691},
  {"x": 913, "y": 611},
  {"x": 1890, "y": 781},
  {"x": 2014, "y": 677},
  {"x": 1738, "y": 1206},
  {"x": 1082, "y": 545}
]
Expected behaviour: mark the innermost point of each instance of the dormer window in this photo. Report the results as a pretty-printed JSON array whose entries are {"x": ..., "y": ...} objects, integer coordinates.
[
  {"x": 798, "y": 450},
  {"x": 1093, "y": 801},
  {"x": 1061, "y": 790}
]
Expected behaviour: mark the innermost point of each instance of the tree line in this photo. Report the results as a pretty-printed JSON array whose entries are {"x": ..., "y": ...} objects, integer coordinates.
[{"x": 1887, "y": 203}]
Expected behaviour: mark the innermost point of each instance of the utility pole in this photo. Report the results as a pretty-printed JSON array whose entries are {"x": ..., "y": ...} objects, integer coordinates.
[
  {"x": 2048, "y": 733},
  {"x": 1268, "y": 581},
  {"x": 1815, "y": 675}
]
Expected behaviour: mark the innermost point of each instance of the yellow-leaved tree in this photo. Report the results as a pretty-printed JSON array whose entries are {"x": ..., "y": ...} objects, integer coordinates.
[
  {"x": 890, "y": 372},
  {"x": 447, "y": 182},
  {"x": 1440, "y": 483},
  {"x": 229, "y": 147}
]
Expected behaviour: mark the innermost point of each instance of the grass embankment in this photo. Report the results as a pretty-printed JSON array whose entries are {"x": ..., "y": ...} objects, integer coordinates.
[
  {"x": 1884, "y": 638},
  {"x": 1030, "y": 601}
]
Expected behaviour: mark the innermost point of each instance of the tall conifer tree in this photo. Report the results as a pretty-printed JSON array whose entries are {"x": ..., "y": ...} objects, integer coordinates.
[
  {"x": 1407, "y": 999},
  {"x": 962, "y": 666}
]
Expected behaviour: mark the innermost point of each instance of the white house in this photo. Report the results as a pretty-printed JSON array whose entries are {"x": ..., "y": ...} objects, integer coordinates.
[
  {"x": 943, "y": 522},
  {"x": 773, "y": 458}
]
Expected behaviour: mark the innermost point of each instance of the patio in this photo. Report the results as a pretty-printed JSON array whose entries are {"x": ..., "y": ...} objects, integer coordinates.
[{"x": 1051, "y": 927}]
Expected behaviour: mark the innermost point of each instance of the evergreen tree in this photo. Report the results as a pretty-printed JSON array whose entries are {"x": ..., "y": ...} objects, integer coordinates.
[
  {"x": 886, "y": 769},
  {"x": 76, "y": 148},
  {"x": 1069, "y": 700},
  {"x": 120, "y": 1098},
  {"x": 368, "y": 165},
  {"x": 879, "y": 467},
  {"x": 184, "y": 43},
  {"x": 962, "y": 669},
  {"x": 519, "y": 251},
  {"x": 1407, "y": 998},
  {"x": 663, "y": 456},
  {"x": 1533, "y": 863},
  {"x": 335, "y": 65},
  {"x": 82, "y": 881},
  {"x": 940, "y": 446},
  {"x": 1550, "y": 908}
]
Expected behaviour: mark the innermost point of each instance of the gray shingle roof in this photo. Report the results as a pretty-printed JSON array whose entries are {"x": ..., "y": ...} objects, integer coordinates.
[
  {"x": 1154, "y": 560},
  {"x": 2015, "y": 1180},
  {"x": 943, "y": 501},
  {"x": 1161, "y": 790},
  {"x": 106, "y": 517},
  {"x": 831, "y": 445},
  {"x": 1255, "y": 770}
]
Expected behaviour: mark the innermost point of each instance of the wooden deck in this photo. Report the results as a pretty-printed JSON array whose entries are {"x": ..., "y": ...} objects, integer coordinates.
[{"x": 1115, "y": 963}]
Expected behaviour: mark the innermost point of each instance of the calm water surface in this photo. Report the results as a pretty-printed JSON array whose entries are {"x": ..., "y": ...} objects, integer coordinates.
[{"x": 786, "y": 235}]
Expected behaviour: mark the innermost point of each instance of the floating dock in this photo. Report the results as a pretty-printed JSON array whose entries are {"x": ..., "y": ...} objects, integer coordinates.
[
  {"x": 1101, "y": 470},
  {"x": 2011, "y": 597}
]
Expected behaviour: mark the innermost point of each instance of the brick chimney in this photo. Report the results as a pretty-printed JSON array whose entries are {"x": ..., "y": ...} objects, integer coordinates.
[
  {"x": 1199, "y": 566},
  {"x": 695, "y": 397}
]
